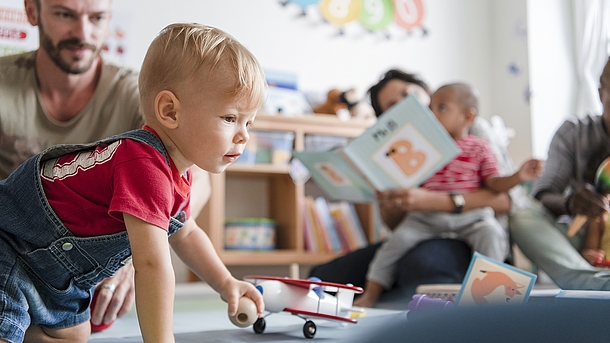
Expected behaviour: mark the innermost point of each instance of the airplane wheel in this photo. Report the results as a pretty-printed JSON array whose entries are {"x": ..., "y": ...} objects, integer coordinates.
[
  {"x": 309, "y": 329},
  {"x": 259, "y": 325}
]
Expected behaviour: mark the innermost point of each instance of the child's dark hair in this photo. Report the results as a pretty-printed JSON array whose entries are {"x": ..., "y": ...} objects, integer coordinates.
[{"x": 390, "y": 75}]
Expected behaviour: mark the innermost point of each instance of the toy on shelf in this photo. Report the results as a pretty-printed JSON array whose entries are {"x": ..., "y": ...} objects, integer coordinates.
[
  {"x": 306, "y": 299},
  {"x": 345, "y": 104},
  {"x": 602, "y": 186},
  {"x": 246, "y": 313}
]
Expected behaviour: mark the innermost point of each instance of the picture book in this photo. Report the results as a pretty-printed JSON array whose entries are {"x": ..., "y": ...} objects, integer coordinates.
[
  {"x": 488, "y": 281},
  {"x": 403, "y": 148}
]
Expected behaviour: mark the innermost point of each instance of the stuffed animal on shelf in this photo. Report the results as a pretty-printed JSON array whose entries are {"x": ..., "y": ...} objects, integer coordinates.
[{"x": 345, "y": 104}]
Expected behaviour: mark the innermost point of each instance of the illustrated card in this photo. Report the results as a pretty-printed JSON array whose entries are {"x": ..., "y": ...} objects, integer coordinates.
[{"x": 491, "y": 282}]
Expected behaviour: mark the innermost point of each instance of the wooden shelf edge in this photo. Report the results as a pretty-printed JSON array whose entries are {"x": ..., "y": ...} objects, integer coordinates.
[
  {"x": 273, "y": 257},
  {"x": 316, "y": 119},
  {"x": 259, "y": 168}
]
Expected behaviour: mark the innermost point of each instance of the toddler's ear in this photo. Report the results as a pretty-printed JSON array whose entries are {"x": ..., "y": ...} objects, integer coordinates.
[
  {"x": 471, "y": 113},
  {"x": 167, "y": 106}
]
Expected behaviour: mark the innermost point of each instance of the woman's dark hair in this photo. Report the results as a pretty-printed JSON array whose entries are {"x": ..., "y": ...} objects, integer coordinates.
[{"x": 387, "y": 77}]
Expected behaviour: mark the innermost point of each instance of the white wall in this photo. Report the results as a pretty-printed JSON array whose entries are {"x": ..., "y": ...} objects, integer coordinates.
[
  {"x": 456, "y": 48},
  {"x": 474, "y": 41},
  {"x": 552, "y": 76},
  {"x": 468, "y": 40},
  {"x": 510, "y": 73}
]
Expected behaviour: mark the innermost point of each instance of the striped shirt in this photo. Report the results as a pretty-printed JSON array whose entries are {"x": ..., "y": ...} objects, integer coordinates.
[{"x": 466, "y": 172}]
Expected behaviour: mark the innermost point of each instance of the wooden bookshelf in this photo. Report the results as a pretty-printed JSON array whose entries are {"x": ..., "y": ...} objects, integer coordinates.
[{"x": 282, "y": 195}]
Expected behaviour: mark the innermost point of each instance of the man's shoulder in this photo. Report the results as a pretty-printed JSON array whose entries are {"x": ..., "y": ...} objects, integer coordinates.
[
  {"x": 580, "y": 126},
  {"x": 117, "y": 71},
  {"x": 118, "y": 82},
  {"x": 16, "y": 65}
]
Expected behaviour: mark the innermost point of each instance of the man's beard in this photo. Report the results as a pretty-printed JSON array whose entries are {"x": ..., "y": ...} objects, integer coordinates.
[{"x": 55, "y": 53}]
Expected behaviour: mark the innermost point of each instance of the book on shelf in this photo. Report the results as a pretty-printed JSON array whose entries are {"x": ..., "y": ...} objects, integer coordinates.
[
  {"x": 405, "y": 146},
  {"x": 342, "y": 233},
  {"x": 328, "y": 224},
  {"x": 331, "y": 226},
  {"x": 319, "y": 232},
  {"x": 310, "y": 239},
  {"x": 353, "y": 223}
]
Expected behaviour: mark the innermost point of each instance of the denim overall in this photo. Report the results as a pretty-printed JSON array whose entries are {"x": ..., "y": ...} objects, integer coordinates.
[{"x": 47, "y": 274}]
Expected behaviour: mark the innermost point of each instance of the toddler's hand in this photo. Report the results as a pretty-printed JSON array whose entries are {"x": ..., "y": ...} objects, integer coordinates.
[
  {"x": 531, "y": 169},
  {"x": 232, "y": 290}
]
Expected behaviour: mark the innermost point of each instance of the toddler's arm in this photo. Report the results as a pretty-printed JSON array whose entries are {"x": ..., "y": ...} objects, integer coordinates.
[
  {"x": 195, "y": 249},
  {"x": 530, "y": 170},
  {"x": 154, "y": 279}
]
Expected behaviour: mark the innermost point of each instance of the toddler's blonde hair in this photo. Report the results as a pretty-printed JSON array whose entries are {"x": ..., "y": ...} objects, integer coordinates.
[{"x": 183, "y": 51}]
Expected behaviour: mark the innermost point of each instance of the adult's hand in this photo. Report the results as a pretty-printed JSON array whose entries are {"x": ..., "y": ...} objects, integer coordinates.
[
  {"x": 414, "y": 199},
  {"x": 113, "y": 302},
  {"x": 394, "y": 204},
  {"x": 586, "y": 201}
]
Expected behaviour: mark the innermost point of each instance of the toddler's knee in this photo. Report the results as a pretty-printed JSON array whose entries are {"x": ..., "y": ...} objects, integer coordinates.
[{"x": 77, "y": 334}]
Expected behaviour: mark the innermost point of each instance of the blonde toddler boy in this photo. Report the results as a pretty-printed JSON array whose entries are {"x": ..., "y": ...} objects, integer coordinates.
[{"x": 75, "y": 214}]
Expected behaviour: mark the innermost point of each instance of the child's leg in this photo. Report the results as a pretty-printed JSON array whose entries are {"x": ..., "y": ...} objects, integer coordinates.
[
  {"x": 382, "y": 269},
  {"x": 372, "y": 292},
  {"x": 482, "y": 231},
  {"x": 591, "y": 248},
  {"x": 74, "y": 334}
]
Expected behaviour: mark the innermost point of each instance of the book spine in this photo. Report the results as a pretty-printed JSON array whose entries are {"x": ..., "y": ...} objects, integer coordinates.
[
  {"x": 322, "y": 239},
  {"x": 328, "y": 224},
  {"x": 341, "y": 225},
  {"x": 354, "y": 224},
  {"x": 311, "y": 243}
]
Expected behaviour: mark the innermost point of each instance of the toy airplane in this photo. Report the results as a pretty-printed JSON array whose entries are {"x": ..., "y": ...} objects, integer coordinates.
[{"x": 305, "y": 299}]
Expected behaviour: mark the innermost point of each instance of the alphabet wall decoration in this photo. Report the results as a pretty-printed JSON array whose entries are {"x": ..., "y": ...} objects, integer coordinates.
[{"x": 388, "y": 18}]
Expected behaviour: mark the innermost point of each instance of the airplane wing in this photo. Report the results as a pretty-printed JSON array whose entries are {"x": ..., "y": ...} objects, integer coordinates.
[
  {"x": 320, "y": 315},
  {"x": 327, "y": 286}
]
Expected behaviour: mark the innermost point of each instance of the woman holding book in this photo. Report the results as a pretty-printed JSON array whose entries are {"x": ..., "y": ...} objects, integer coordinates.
[{"x": 433, "y": 261}]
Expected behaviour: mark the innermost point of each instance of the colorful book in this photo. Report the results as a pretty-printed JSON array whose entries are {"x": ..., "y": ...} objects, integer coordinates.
[
  {"x": 322, "y": 238},
  {"x": 341, "y": 226},
  {"x": 348, "y": 224},
  {"x": 354, "y": 224},
  {"x": 342, "y": 232},
  {"x": 328, "y": 224},
  {"x": 403, "y": 148},
  {"x": 311, "y": 243}
]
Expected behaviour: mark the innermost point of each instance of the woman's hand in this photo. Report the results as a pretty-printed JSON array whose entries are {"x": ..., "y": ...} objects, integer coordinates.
[
  {"x": 413, "y": 199},
  {"x": 394, "y": 204}
]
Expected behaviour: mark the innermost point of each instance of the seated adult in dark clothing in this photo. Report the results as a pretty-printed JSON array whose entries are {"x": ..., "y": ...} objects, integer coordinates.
[{"x": 433, "y": 261}]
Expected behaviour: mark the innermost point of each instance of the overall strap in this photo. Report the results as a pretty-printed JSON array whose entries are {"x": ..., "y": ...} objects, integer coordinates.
[{"x": 140, "y": 135}]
